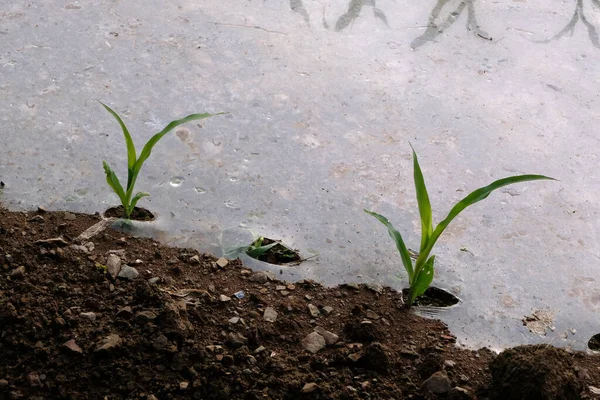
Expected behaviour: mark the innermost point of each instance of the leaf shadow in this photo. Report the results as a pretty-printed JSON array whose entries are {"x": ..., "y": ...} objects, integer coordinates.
[{"x": 435, "y": 29}]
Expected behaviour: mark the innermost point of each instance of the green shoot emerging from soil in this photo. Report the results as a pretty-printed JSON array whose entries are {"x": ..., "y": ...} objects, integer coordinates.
[
  {"x": 134, "y": 164},
  {"x": 257, "y": 249},
  {"x": 420, "y": 275}
]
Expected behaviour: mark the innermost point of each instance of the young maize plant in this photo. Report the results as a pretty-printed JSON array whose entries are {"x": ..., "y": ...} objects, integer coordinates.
[
  {"x": 134, "y": 164},
  {"x": 420, "y": 275}
]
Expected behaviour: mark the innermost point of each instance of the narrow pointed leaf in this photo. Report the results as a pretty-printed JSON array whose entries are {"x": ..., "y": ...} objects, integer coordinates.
[
  {"x": 472, "y": 198},
  {"x": 172, "y": 125},
  {"x": 424, "y": 204},
  {"x": 394, "y": 234},
  {"x": 131, "y": 154},
  {"x": 422, "y": 280},
  {"x": 135, "y": 199},
  {"x": 259, "y": 251},
  {"x": 113, "y": 182}
]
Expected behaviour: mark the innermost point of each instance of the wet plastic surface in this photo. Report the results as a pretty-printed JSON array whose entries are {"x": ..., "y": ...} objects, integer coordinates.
[{"x": 323, "y": 99}]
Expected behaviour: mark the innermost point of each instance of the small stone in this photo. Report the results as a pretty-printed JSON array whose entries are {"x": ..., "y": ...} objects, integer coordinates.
[
  {"x": 270, "y": 315},
  {"x": 80, "y": 248},
  {"x": 459, "y": 393},
  {"x": 161, "y": 343},
  {"x": 183, "y": 385},
  {"x": 88, "y": 315},
  {"x": 124, "y": 312},
  {"x": 374, "y": 287},
  {"x": 327, "y": 310},
  {"x": 69, "y": 216},
  {"x": 145, "y": 316},
  {"x": 463, "y": 378},
  {"x": 251, "y": 360},
  {"x": 364, "y": 385},
  {"x": 260, "y": 349},
  {"x": 195, "y": 259},
  {"x": 310, "y": 387},
  {"x": 313, "y": 342},
  {"x": 235, "y": 340},
  {"x": 594, "y": 390},
  {"x": 72, "y": 346},
  {"x": 409, "y": 353},
  {"x": 128, "y": 272},
  {"x": 313, "y": 311},
  {"x": 330, "y": 337},
  {"x": 113, "y": 265},
  {"x": 109, "y": 343},
  {"x": 291, "y": 287},
  {"x": 234, "y": 320},
  {"x": 371, "y": 315},
  {"x": 449, "y": 364},
  {"x": 308, "y": 297},
  {"x": 90, "y": 246},
  {"x": 259, "y": 277},
  {"x": 41, "y": 209},
  {"x": 222, "y": 262},
  {"x": 223, "y": 298},
  {"x": 154, "y": 280},
  {"x": 437, "y": 383},
  {"x": 280, "y": 288},
  {"x": 18, "y": 272},
  {"x": 352, "y": 285},
  {"x": 354, "y": 357},
  {"x": 284, "y": 293}
]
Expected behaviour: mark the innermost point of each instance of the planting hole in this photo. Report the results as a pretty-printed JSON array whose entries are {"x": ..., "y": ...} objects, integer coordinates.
[
  {"x": 138, "y": 214},
  {"x": 594, "y": 343},
  {"x": 274, "y": 252},
  {"x": 435, "y": 297}
]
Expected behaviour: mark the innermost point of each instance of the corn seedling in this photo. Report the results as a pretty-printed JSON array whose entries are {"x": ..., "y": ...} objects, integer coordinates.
[
  {"x": 420, "y": 274},
  {"x": 257, "y": 249},
  {"x": 134, "y": 164}
]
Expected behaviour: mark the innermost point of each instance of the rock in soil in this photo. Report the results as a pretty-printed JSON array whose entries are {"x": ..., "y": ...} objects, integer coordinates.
[
  {"x": 437, "y": 383},
  {"x": 313, "y": 342}
]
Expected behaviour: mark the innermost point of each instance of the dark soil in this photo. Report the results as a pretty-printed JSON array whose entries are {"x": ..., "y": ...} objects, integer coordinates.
[
  {"x": 594, "y": 342},
  {"x": 435, "y": 297},
  {"x": 535, "y": 373},
  {"x": 138, "y": 214},
  {"x": 69, "y": 331}
]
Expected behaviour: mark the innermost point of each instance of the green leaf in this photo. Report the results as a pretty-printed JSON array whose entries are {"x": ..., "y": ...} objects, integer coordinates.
[
  {"x": 422, "y": 281},
  {"x": 394, "y": 234},
  {"x": 472, "y": 198},
  {"x": 135, "y": 199},
  {"x": 424, "y": 204},
  {"x": 147, "y": 150},
  {"x": 256, "y": 252},
  {"x": 131, "y": 154},
  {"x": 172, "y": 125},
  {"x": 113, "y": 182}
]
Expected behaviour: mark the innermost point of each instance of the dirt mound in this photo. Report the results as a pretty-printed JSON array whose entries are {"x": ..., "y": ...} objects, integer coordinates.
[{"x": 538, "y": 372}]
